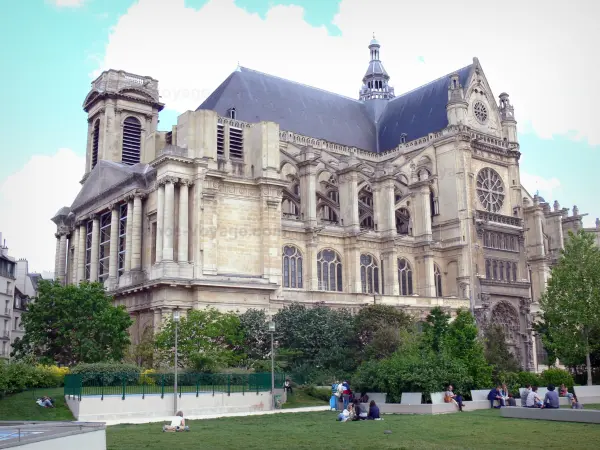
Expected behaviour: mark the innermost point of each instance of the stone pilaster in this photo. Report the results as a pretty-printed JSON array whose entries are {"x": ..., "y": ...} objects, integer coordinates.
[
  {"x": 160, "y": 218},
  {"x": 74, "y": 263},
  {"x": 389, "y": 279},
  {"x": 169, "y": 218},
  {"x": 136, "y": 233},
  {"x": 62, "y": 259},
  {"x": 95, "y": 248},
  {"x": 422, "y": 211},
  {"x": 57, "y": 255},
  {"x": 310, "y": 265},
  {"x": 210, "y": 223},
  {"x": 113, "y": 260},
  {"x": 82, "y": 253},
  {"x": 183, "y": 237},
  {"x": 128, "y": 234},
  {"x": 352, "y": 261},
  {"x": 429, "y": 288},
  {"x": 271, "y": 232},
  {"x": 157, "y": 320},
  {"x": 383, "y": 193},
  {"x": 348, "y": 191},
  {"x": 198, "y": 228}
]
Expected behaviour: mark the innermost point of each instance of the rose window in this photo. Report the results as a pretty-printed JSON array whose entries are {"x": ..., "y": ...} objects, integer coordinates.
[
  {"x": 480, "y": 111},
  {"x": 490, "y": 190}
]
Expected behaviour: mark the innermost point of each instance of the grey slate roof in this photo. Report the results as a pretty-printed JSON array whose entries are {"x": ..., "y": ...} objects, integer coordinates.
[
  {"x": 108, "y": 176},
  {"x": 313, "y": 112}
]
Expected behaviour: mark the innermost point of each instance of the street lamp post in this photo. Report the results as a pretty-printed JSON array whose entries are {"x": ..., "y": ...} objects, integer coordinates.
[
  {"x": 272, "y": 331},
  {"x": 176, "y": 321}
]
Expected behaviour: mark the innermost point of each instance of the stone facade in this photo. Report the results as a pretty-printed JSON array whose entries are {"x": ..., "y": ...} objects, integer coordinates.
[{"x": 255, "y": 214}]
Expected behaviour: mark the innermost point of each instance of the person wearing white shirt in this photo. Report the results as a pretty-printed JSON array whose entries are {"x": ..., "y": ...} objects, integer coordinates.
[
  {"x": 177, "y": 423},
  {"x": 533, "y": 399}
]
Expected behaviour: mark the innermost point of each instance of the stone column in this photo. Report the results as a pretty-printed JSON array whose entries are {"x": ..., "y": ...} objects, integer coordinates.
[
  {"x": 160, "y": 214},
  {"x": 270, "y": 229},
  {"x": 307, "y": 168},
  {"x": 422, "y": 211},
  {"x": 169, "y": 220},
  {"x": 95, "y": 248},
  {"x": 429, "y": 290},
  {"x": 385, "y": 211},
  {"x": 57, "y": 256},
  {"x": 113, "y": 261},
  {"x": 182, "y": 253},
  {"x": 198, "y": 228},
  {"x": 136, "y": 233},
  {"x": 62, "y": 262},
  {"x": 128, "y": 234},
  {"x": 74, "y": 263},
  {"x": 348, "y": 190},
  {"x": 157, "y": 320},
  {"x": 310, "y": 265},
  {"x": 82, "y": 253},
  {"x": 389, "y": 261}
]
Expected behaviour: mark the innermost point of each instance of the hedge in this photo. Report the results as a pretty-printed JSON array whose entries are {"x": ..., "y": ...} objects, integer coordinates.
[
  {"x": 17, "y": 377},
  {"x": 107, "y": 374}
]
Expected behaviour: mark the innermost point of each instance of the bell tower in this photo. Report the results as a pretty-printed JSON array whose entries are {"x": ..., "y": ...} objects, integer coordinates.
[
  {"x": 376, "y": 91},
  {"x": 122, "y": 113}
]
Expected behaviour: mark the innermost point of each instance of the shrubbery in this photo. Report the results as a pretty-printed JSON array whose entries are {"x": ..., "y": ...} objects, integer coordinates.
[
  {"x": 558, "y": 377},
  {"x": 107, "y": 374},
  {"x": 320, "y": 393},
  {"x": 17, "y": 377}
]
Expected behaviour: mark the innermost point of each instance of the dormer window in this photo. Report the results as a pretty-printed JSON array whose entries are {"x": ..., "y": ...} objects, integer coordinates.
[
  {"x": 231, "y": 113},
  {"x": 403, "y": 138}
]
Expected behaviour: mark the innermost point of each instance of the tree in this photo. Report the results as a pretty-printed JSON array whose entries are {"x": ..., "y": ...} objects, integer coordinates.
[
  {"x": 435, "y": 328},
  {"x": 142, "y": 353},
  {"x": 257, "y": 340},
  {"x": 377, "y": 330},
  {"x": 72, "y": 324},
  {"x": 497, "y": 352},
  {"x": 207, "y": 341},
  {"x": 571, "y": 302}
]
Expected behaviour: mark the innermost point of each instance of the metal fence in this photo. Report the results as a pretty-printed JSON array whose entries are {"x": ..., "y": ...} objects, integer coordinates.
[{"x": 124, "y": 384}]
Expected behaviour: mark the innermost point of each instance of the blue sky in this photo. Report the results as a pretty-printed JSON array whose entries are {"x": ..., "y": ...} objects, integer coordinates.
[{"x": 52, "y": 48}]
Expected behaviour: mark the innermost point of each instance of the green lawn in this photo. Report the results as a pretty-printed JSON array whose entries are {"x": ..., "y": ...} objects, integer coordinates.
[
  {"x": 471, "y": 430},
  {"x": 299, "y": 399},
  {"x": 22, "y": 406}
]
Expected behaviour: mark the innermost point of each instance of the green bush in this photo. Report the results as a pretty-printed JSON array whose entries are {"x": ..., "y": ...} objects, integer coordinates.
[
  {"x": 557, "y": 377},
  {"x": 531, "y": 378},
  {"x": 107, "y": 374},
  {"x": 17, "y": 377},
  {"x": 320, "y": 393},
  {"x": 511, "y": 379}
]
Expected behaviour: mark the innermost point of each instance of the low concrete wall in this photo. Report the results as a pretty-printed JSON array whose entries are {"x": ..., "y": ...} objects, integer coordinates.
[
  {"x": 114, "y": 408},
  {"x": 587, "y": 394},
  {"x": 95, "y": 440},
  {"x": 559, "y": 415},
  {"x": 53, "y": 435},
  {"x": 439, "y": 408}
]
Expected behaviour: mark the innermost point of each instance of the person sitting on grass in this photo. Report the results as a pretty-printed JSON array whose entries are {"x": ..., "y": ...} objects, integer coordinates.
[
  {"x": 373, "y": 411},
  {"x": 496, "y": 396},
  {"x": 551, "y": 398},
  {"x": 575, "y": 403},
  {"x": 524, "y": 395},
  {"x": 347, "y": 414},
  {"x": 533, "y": 399},
  {"x": 360, "y": 413},
  {"x": 177, "y": 424},
  {"x": 451, "y": 397}
]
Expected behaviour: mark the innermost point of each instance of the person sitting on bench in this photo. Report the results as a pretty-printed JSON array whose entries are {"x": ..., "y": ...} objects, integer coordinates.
[
  {"x": 177, "y": 424},
  {"x": 533, "y": 399},
  {"x": 525, "y": 395},
  {"x": 495, "y": 395},
  {"x": 551, "y": 398}
]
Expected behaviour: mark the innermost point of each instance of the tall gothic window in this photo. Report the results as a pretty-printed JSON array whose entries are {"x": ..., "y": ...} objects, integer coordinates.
[
  {"x": 488, "y": 269},
  {"x": 405, "y": 277},
  {"x": 495, "y": 270},
  {"x": 132, "y": 141},
  {"x": 329, "y": 270},
  {"x": 95, "y": 142},
  {"x": 369, "y": 274},
  {"x": 122, "y": 236},
  {"x": 437, "y": 276},
  {"x": 501, "y": 271},
  {"x": 104, "y": 253},
  {"x": 292, "y": 267},
  {"x": 88, "y": 249},
  {"x": 514, "y": 271}
]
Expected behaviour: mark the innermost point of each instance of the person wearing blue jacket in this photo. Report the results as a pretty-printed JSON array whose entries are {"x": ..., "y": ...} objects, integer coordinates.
[
  {"x": 333, "y": 401},
  {"x": 496, "y": 395}
]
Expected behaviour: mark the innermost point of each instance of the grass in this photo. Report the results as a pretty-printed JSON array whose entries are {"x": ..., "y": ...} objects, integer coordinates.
[
  {"x": 22, "y": 406},
  {"x": 300, "y": 399},
  {"x": 483, "y": 429}
]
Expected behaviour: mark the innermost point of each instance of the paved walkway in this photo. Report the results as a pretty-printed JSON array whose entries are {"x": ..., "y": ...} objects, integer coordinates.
[{"x": 216, "y": 416}]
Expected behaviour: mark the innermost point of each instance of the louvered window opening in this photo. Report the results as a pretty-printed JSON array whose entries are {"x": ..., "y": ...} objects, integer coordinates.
[
  {"x": 104, "y": 250},
  {"x": 169, "y": 138},
  {"x": 220, "y": 140},
  {"x": 95, "y": 142},
  {"x": 122, "y": 237},
  {"x": 88, "y": 249},
  {"x": 236, "y": 143},
  {"x": 132, "y": 141}
]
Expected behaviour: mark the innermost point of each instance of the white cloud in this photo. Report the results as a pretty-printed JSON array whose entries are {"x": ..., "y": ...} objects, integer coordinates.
[
  {"x": 543, "y": 57},
  {"x": 30, "y": 197},
  {"x": 545, "y": 186},
  {"x": 67, "y": 3}
]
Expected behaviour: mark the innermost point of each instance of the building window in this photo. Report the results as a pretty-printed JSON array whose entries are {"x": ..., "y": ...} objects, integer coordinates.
[
  {"x": 369, "y": 274},
  {"x": 220, "y": 139},
  {"x": 122, "y": 237},
  {"x": 329, "y": 271},
  {"x": 437, "y": 275},
  {"x": 132, "y": 141},
  {"x": 16, "y": 323},
  {"x": 236, "y": 142},
  {"x": 292, "y": 267},
  {"x": 104, "y": 254},
  {"x": 95, "y": 142},
  {"x": 88, "y": 249},
  {"x": 514, "y": 271},
  {"x": 490, "y": 189},
  {"x": 153, "y": 238},
  {"x": 231, "y": 113},
  {"x": 405, "y": 279}
]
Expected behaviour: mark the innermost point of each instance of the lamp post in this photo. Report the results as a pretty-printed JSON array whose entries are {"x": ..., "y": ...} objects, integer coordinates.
[
  {"x": 176, "y": 321},
  {"x": 272, "y": 331}
]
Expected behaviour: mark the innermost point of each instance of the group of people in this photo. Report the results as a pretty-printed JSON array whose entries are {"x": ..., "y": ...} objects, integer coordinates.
[
  {"x": 531, "y": 399},
  {"x": 350, "y": 405},
  {"x": 355, "y": 411}
]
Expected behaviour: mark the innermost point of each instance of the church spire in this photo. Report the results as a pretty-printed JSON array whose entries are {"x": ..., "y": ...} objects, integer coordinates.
[{"x": 375, "y": 82}]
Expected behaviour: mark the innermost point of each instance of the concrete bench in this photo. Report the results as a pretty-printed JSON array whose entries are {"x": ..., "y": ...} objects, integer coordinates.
[
  {"x": 587, "y": 394},
  {"x": 559, "y": 415},
  {"x": 480, "y": 395},
  {"x": 411, "y": 398},
  {"x": 437, "y": 398},
  {"x": 379, "y": 397},
  {"x": 398, "y": 408},
  {"x": 563, "y": 401}
]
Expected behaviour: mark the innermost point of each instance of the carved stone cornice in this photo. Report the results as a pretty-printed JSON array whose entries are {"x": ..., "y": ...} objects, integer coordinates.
[
  {"x": 94, "y": 216},
  {"x": 139, "y": 194},
  {"x": 186, "y": 182},
  {"x": 167, "y": 179}
]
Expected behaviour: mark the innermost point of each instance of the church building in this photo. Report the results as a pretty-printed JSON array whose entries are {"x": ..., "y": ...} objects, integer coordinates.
[{"x": 274, "y": 192}]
